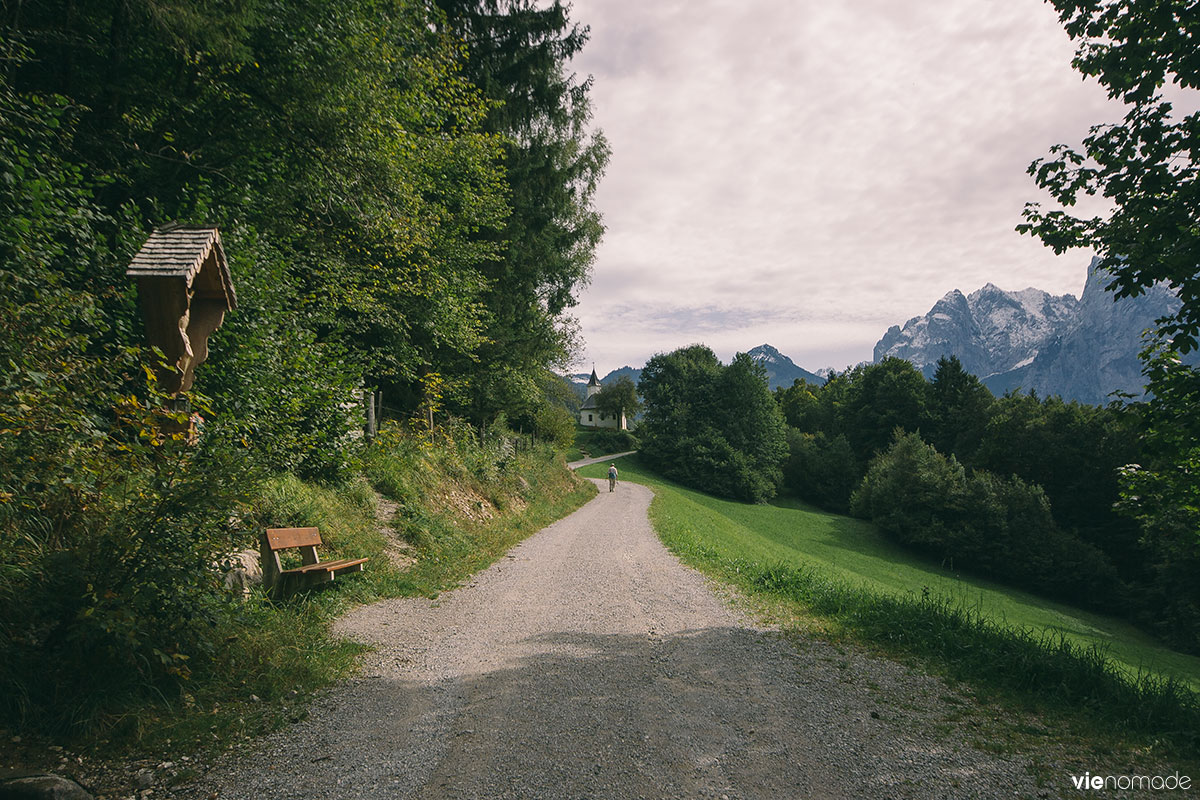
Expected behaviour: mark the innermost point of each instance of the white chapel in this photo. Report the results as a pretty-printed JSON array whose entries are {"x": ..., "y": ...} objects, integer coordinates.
[{"x": 589, "y": 413}]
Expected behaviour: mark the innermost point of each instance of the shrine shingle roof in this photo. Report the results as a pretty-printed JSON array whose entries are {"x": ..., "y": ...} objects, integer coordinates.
[{"x": 180, "y": 252}]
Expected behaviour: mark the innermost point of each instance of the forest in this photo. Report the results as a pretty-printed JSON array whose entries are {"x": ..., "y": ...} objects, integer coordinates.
[{"x": 404, "y": 190}]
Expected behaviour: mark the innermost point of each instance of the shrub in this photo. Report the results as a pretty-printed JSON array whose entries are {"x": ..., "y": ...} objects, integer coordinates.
[
  {"x": 110, "y": 520},
  {"x": 125, "y": 578},
  {"x": 981, "y": 522},
  {"x": 610, "y": 440},
  {"x": 555, "y": 424}
]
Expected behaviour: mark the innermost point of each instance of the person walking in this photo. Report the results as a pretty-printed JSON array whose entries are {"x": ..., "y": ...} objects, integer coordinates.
[{"x": 612, "y": 477}]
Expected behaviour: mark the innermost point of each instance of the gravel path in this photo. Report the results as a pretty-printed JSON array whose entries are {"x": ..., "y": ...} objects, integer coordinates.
[
  {"x": 589, "y": 663},
  {"x": 599, "y": 459}
]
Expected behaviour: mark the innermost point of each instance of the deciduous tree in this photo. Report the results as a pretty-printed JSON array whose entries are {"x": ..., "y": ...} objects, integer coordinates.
[
  {"x": 713, "y": 427},
  {"x": 619, "y": 399}
]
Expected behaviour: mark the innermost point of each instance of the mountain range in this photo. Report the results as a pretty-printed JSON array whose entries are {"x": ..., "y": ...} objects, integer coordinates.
[{"x": 1081, "y": 349}]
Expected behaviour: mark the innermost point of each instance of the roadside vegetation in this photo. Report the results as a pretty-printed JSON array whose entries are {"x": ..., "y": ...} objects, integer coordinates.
[
  {"x": 429, "y": 509},
  {"x": 596, "y": 442},
  {"x": 837, "y": 577}
]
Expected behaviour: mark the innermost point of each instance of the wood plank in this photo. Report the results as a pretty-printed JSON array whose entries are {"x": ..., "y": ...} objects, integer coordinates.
[
  {"x": 283, "y": 538},
  {"x": 327, "y": 566},
  {"x": 348, "y": 564}
]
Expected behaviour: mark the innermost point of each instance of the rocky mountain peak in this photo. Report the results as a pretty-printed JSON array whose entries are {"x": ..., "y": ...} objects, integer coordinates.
[
  {"x": 1081, "y": 349},
  {"x": 781, "y": 370},
  {"x": 766, "y": 353}
]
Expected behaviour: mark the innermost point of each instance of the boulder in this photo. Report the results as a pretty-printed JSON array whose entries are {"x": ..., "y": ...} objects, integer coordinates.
[
  {"x": 244, "y": 573},
  {"x": 42, "y": 787}
]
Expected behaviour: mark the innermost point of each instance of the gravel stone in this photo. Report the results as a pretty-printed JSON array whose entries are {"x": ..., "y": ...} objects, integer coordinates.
[{"x": 590, "y": 663}]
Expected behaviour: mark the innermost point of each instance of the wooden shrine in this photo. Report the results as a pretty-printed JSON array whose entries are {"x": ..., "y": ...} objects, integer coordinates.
[{"x": 184, "y": 288}]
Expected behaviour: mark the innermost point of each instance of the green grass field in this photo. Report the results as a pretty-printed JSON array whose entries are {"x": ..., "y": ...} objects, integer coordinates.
[{"x": 854, "y": 552}]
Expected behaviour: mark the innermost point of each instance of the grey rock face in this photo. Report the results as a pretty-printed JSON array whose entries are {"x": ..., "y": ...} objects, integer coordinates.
[
  {"x": 245, "y": 572},
  {"x": 950, "y": 327},
  {"x": 1081, "y": 349}
]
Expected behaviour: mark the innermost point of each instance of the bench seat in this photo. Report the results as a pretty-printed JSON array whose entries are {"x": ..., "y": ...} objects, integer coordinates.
[{"x": 280, "y": 581}]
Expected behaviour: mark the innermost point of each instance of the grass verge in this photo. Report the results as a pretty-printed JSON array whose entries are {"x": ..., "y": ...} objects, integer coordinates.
[{"x": 840, "y": 578}]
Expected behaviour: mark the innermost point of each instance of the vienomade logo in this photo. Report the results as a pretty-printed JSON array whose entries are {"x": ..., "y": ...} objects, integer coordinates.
[{"x": 1097, "y": 782}]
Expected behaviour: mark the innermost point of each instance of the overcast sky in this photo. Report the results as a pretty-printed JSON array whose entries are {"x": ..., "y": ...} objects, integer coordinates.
[{"x": 808, "y": 172}]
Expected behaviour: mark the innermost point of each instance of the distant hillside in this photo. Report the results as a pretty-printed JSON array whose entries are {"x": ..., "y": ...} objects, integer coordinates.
[
  {"x": 781, "y": 370},
  {"x": 634, "y": 374},
  {"x": 1081, "y": 349},
  {"x": 579, "y": 380}
]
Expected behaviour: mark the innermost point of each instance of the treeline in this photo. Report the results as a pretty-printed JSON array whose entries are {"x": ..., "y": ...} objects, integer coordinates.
[
  {"x": 1016, "y": 487},
  {"x": 405, "y": 193},
  {"x": 1022, "y": 489}
]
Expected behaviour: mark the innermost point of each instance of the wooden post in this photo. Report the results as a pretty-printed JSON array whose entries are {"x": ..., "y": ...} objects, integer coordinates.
[
  {"x": 378, "y": 408},
  {"x": 369, "y": 404}
]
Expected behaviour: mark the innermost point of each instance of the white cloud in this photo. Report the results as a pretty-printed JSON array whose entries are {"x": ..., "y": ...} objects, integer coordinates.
[{"x": 807, "y": 173}]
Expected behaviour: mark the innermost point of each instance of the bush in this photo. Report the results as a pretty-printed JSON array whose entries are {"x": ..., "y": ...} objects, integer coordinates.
[
  {"x": 981, "y": 522},
  {"x": 110, "y": 520},
  {"x": 611, "y": 440},
  {"x": 116, "y": 594},
  {"x": 555, "y": 424}
]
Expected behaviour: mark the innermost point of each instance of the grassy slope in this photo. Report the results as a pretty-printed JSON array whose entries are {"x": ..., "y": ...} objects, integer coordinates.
[
  {"x": 583, "y": 447},
  {"x": 855, "y": 552}
]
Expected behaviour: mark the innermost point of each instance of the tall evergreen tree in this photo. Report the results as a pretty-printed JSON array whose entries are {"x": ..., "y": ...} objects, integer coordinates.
[
  {"x": 519, "y": 54},
  {"x": 958, "y": 404}
]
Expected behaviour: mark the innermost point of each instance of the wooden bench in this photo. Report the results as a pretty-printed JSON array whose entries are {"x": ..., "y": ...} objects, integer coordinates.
[{"x": 278, "y": 580}]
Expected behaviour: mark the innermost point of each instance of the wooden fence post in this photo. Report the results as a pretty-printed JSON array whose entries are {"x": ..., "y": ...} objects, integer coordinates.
[{"x": 369, "y": 404}]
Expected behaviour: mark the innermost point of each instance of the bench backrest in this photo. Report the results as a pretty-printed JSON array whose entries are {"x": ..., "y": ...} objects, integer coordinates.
[{"x": 284, "y": 538}]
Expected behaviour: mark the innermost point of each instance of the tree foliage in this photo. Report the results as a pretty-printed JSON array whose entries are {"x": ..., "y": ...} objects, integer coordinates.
[
  {"x": 619, "y": 399},
  {"x": 958, "y": 405},
  {"x": 1087, "y": 462},
  {"x": 1147, "y": 166},
  {"x": 518, "y": 54},
  {"x": 981, "y": 522},
  {"x": 712, "y": 426},
  {"x": 821, "y": 469}
]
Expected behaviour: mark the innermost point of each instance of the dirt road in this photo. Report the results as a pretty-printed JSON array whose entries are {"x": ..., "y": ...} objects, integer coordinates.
[{"x": 589, "y": 663}]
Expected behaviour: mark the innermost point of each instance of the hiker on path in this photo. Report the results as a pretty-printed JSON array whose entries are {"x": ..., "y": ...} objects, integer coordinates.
[{"x": 612, "y": 477}]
